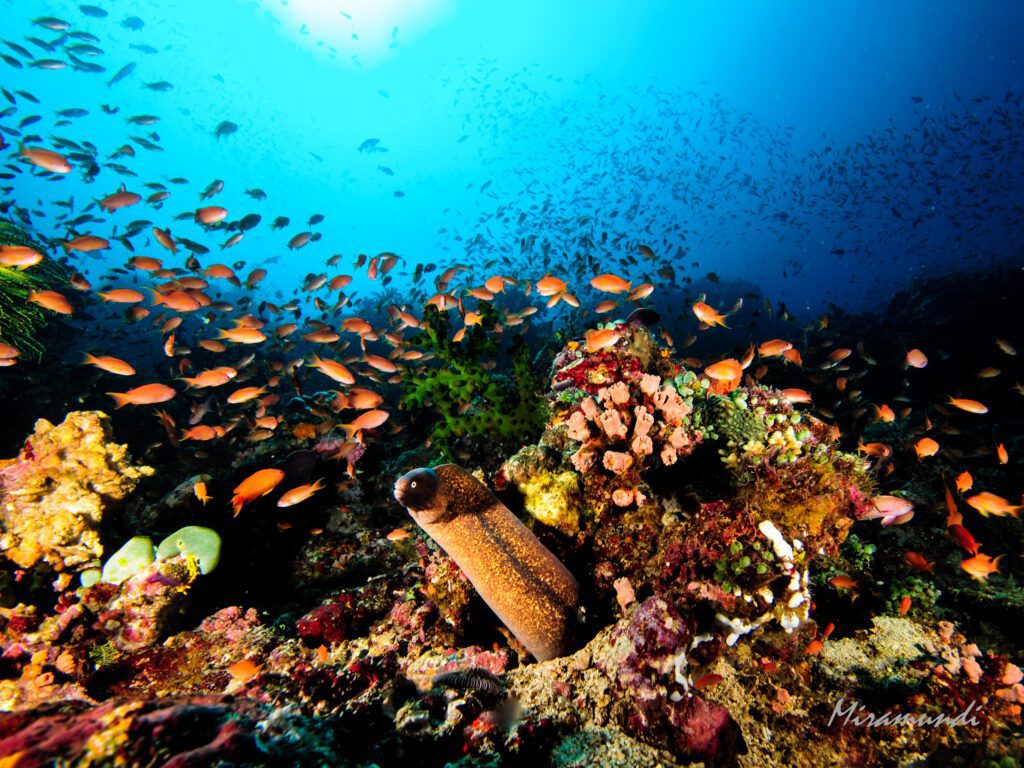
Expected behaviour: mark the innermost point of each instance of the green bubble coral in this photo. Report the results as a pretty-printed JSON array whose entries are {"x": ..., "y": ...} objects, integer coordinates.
[
  {"x": 201, "y": 543},
  {"x": 134, "y": 557}
]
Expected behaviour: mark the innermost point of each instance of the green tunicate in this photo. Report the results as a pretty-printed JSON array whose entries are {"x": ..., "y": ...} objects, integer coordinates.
[
  {"x": 133, "y": 558},
  {"x": 200, "y": 542},
  {"x": 90, "y": 576}
]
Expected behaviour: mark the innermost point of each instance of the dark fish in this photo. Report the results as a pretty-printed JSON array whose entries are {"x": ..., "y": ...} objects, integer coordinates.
[
  {"x": 385, "y": 170},
  {"x": 315, "y": 219},
  {"x": 281, "y": 222},
  {"x": 399, "y": 193},
  {"x": 21, "y": 51},
  {"x": 122, "y": 73},
  {"x": 51, "y": 22},
  {"x": 134, "y": 23},
  {"x": 226, "y": 128},
  {"x": 369, "y": 144},
  {"x": 249, "y": 221},
  {"x": 93, "y": 10},
  {"x": 11, "y": 61},
  {"x": 256, "y": 193}
]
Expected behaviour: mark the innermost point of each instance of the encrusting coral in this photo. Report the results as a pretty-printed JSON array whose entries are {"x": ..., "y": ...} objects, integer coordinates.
[{"x": 53, "y": 495}]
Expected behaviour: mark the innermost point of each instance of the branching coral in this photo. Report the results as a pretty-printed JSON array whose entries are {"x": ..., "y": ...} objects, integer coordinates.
[
  {"x": 20, "y": 320},
  {"x": 462, "y": 390}
]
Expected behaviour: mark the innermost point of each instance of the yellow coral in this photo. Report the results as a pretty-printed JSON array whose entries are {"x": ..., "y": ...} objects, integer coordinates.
[
  {"x": 106, "y": 745},
  {"x": 552, "y": 498},
  {"x": 52, "y": 497}
]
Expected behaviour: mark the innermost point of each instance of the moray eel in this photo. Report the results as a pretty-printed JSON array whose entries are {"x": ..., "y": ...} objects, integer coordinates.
[{"x": 529, "y": 589}]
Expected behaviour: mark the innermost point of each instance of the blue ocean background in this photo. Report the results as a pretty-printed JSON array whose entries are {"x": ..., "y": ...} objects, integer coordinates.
[{"x": 818, "y": 153}]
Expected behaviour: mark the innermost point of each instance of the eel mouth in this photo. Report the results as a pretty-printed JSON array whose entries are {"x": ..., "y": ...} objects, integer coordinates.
[{"x": 416, "y": 490}]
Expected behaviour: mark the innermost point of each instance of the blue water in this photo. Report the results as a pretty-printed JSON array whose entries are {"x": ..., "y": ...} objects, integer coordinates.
[{"x": 819, "y": 153}]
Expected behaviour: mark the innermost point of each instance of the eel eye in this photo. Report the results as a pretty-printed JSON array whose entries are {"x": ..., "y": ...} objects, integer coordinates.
[{"x": 412, "y": 484}]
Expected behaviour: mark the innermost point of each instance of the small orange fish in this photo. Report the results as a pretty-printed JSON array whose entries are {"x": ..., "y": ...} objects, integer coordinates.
[
  {"x": 1002, "y": 454},
  {"x": 964, "y": 538},
  {"x": 724, "y": 370},
  {"x": 709, "y": 315},
  {"x": 366, "y": 420},
  {"x": 46, "y": 159},
  {"x": 550, "y": 286},
  {"x": 981, "y": 567},
  {"x": 796, "y": 396},
  {"x": 51, "y": 300},
  {"x": 916, "y": 358},
  {"x": 964, "y": 482},
  {"x": 200, "y": 491},
  {"x": 255, "y": 485},
  {"x": 793, "y": 356},
  {"x": 109, "y": 364},
  {"x": 601, "y": 339},
  {"x": 399, "y": 534},
  {"x": 242, "y": 335},
  {"x": 147, "y": 394},
  {"x": 989, "y": 504},
  {"x": 609, "y": 283},
  {"x": 926, "y": 447},
  {"x": 122, "y": 296},
  {"x": 878, "y": 450},
  {"x": 300, "y": 494},
  {"x": 19, "y": 256},
  {"x": 904, "y": 605},
  {"x": 970, "y": 406},
  {"x": 245, "y": 394},
  {"x": 917, "y": 561},
  {"x": 244, "y": 670},
  {"x": 706, "y": 681},
  {"x": 774, "y": 347},
  {"x": 886, "y": 414},
  {"x": 842, "y": 581},
  {"x": 954, "y": 517}
]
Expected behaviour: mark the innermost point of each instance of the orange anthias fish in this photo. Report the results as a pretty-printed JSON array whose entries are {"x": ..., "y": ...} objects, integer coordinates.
[
  {"x": 200, "y": 491},
  {"x": 981, "y": 567},
  {"x": 109, "y": 364},
  {"x": 709, "y": 315},
  {"x": 51, "y": 300},
  {"x": 926, "y": 447},
  {"x": 609, "y": 283},
  {"x": 19, "y": 256},
  {"x": 244, "y": 670},
  {"x": 796, "y": 396},
  {"x": 550, "y": 286},
  {"x": 964, "y": 539},
  {"x": 989, "y": 504},
  {"x": 724, "y": 370},
  {"x": 300, "y": 494},
  {"x": 46, "y": 159},
  {"x": 916, "y": 358},
  {"x": 255, "y": 485},
  {"x": 147, "y": 394},
  {"x": 601, "y": 339},
  {"x": 970, "y": 406},
  {"x": 954, "y": 517},
  {"x": 366, "y": 420},
  {"x": 964, "y": 482},
  {"x": 1002, "y": 454},
  {"x": 774, "y": 347},
  {"x": 886, "y": 414},
  {"x": 917, "y": 561}
]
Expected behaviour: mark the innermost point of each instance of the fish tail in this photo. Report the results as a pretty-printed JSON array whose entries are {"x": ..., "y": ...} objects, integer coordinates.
[
  {"x": 120, "y": 398},
  {"x": 157, "y": 297}
]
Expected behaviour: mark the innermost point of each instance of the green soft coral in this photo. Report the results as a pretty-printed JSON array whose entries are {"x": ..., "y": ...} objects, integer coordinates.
[
  {"x": 465, "y": 395},
  {"x": 22, "y": 322}
]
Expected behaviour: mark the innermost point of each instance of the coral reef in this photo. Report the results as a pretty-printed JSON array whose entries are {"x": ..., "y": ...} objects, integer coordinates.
[{"x": 55, "y": 493}]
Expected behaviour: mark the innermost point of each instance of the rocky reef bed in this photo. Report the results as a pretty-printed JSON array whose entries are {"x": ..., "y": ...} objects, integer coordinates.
[{"x": 731, "y": 606}]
